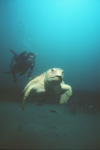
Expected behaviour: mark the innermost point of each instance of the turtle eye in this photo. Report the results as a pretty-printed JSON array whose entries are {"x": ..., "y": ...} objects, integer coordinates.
[{"x": 52, "y": 70}]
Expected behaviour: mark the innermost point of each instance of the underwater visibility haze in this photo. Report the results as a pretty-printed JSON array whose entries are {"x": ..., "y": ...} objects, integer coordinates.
[{"x": 62, "y": 34}]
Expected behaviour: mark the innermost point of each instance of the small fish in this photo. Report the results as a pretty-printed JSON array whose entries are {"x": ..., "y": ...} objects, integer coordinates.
[{"x": 53, "y": 111}]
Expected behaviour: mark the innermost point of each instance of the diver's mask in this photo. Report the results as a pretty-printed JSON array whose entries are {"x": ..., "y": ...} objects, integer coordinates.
[{"x": 30, "y": 58}]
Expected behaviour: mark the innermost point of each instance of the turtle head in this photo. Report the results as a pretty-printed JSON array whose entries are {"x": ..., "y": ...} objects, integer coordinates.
[{"x": 54, "y": 76}]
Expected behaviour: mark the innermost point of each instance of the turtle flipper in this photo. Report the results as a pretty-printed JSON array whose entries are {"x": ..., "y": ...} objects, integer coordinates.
[
  {"x": 26, "y": 94},
  {"x": 65, "y": 97}
]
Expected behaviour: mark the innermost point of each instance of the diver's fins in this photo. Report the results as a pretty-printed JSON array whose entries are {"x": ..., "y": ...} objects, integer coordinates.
[{"x": 13, "y": 52}]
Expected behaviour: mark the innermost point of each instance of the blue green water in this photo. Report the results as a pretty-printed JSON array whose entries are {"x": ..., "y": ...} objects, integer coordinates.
[{"x": 63, "y": 34}]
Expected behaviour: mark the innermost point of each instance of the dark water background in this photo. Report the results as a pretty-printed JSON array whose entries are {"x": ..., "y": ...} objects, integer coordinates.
[{"x": 64, "y": 34}]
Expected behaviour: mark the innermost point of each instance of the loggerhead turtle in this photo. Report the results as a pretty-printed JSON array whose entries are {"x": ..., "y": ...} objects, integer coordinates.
[{"x": 50, "y": 83}]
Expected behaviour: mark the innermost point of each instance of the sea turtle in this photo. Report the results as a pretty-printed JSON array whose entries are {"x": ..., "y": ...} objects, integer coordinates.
[{"x": 49, "y": 83}]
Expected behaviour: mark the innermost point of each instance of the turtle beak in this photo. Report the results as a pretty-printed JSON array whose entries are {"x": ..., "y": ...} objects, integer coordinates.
[
  {"x": 57, "y": 78},
  {"x": 60, "y": 77}
]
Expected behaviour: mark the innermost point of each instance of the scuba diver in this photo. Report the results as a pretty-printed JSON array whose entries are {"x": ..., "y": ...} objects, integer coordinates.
[{"x": 21, "y": 63}]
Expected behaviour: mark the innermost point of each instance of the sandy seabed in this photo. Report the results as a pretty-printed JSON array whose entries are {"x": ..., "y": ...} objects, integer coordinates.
[{"x": 38, "y": 127}]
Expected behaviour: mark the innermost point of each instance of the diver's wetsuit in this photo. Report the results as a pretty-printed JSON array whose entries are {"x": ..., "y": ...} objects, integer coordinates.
[{"x": 22, "y": 64}]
